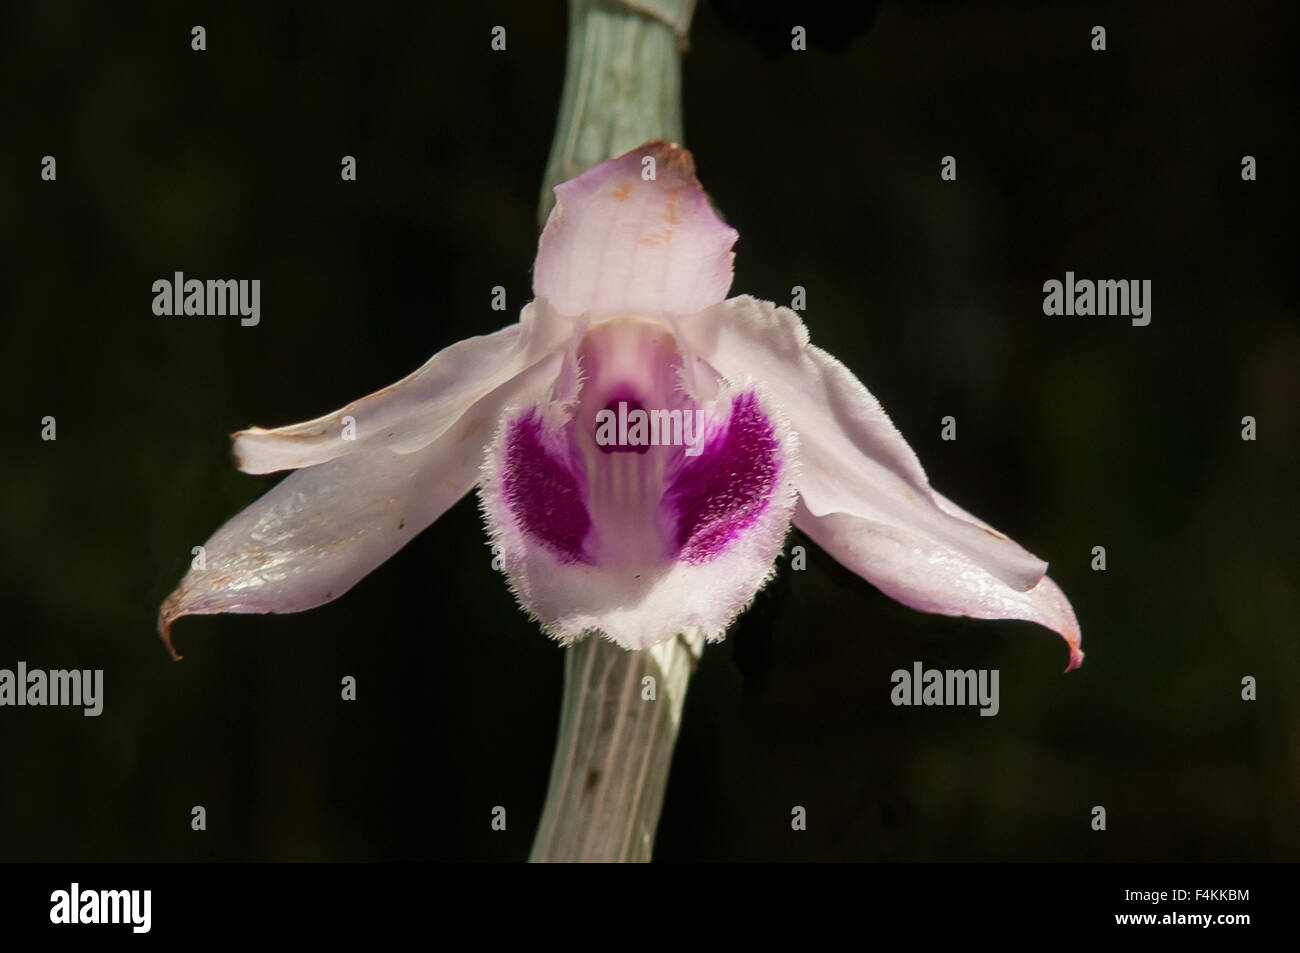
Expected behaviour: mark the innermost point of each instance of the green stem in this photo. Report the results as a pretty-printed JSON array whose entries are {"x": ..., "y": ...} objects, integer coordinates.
[
  {"x": 618, "y": 727},
  {"x": 621, "y": 709}
]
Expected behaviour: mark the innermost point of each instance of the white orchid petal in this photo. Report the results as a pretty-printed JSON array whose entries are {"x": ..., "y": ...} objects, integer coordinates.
[
  {"x": 412, "y": 413},
  {"x": 321, "y": 530},
  {"x": 935, "y": 578},
  {"x": 619, "y": 242},
  {"x": 852, "y": 458}
]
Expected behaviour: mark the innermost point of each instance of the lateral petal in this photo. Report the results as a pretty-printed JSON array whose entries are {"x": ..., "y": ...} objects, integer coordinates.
[
  {"x": 322, "y": 529},
  {"x": 853, "y": 460},
  {"x": 933, "y": 578},
  {"x": 417, "y": 410}
]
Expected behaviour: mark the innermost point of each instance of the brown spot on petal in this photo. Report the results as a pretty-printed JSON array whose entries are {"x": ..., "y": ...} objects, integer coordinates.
[
  {"x": 670, "y": 209},
  {"x": 621, "y": 193},
  {"x": 673, "y": 157},
  {"x": 654, "y": 239}
]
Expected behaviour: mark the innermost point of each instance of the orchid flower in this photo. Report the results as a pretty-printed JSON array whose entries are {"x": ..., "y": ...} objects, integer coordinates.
[{"x": 636, "y": 539}]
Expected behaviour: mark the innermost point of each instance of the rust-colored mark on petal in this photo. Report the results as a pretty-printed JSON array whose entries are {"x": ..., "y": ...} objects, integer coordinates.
[
  {"x": 621, "y": 193},
  {"x": 670, "y": 208},
  {"x": 673, "y": 158},
  {"x": 655, "y": 239},
  {"x": 168, "y": 614},
  {"x": 293, "y": 432}
]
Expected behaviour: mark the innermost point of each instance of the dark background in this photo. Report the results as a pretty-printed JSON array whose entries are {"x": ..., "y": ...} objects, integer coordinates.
[{"x": 1072, "y": 431}]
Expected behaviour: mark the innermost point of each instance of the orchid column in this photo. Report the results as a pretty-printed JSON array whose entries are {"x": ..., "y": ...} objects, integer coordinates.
[{"x": 621, "y": 709}]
